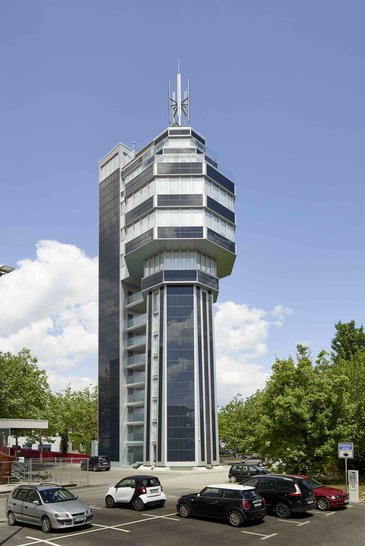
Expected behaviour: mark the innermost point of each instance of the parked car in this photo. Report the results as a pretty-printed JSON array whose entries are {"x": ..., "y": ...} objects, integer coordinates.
[
  {"x": 284, "y": 495},
  {"x": 138, "y": 491},
  {"x": 252, "y": 459},
  {"x": 47, "y": 505},
  {"x": 234, "y": 503},
  {"x": 238, "y": 472},
  {"x": 327, "y": 497},
  {"x": 101, "y": 462}
]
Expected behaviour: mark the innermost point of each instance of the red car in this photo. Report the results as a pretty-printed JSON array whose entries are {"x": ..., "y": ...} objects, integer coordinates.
[{"x": 327, "y": 497}]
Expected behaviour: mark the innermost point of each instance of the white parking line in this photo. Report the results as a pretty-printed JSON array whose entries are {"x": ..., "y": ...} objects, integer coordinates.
[
  {"x": 324, "y": 514},
  {"x": 118, "y": 527},
  {"x": 264, "y": 537},
  {"x": 41, "y": 540},
  {"x": 297, "y": 523},
  {"x": 95, "y": 507},
  {"x": 166, "y": 516}
]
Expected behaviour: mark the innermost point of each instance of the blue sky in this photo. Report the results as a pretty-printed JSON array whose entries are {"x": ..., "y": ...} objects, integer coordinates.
[{"x": 277, "y": 89}]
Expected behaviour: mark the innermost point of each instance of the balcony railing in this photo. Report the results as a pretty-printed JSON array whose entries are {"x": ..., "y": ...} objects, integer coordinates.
[
  {"x": 138, "y": 320},
  {"x": 136, "y": 397},
  {"x": 137, "y": 296},
  {"x": 136, "y": 340},
  {"x": 135, "y": 437},
  {"x": 136, "y": 378},
  {"x": 137, "y": 359},
  {"x": 135, "y": 417}
]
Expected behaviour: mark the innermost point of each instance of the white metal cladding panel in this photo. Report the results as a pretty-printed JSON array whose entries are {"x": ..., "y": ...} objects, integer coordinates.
[{"x": 23, "y": 423}]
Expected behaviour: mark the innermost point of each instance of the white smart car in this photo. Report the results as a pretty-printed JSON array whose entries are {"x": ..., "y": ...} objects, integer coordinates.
[{"x": 139, "y": 491}]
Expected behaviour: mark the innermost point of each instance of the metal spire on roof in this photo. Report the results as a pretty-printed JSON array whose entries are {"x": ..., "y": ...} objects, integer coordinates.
[{"x": 177, "y": 107}]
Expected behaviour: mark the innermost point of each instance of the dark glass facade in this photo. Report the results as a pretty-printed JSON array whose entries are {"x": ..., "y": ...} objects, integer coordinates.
[
  {"x": 180, "y": 374},
  {"x": 109, "y": 214}
]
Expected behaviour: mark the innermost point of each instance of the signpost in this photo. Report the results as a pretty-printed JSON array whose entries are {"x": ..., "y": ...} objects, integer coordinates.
[{"x": 345, "y": 451}]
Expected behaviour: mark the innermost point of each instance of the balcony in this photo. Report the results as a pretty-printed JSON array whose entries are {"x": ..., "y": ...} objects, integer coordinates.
[
  {"x": 133, "y": 417},
  {"x": 135, "y": 437},
  {"x": 137, "y": 296},
  {"x": 137, "y": 377},
  {"x": 137, "y": 320},
  {"x": 136, "y": 397},
  {"x": 136, "y": 360},
  {"x": 136, "y": 340}
]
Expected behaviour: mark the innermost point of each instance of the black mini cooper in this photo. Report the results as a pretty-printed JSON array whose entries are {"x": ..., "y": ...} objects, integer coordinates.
[{"x": 231, "y": 502}]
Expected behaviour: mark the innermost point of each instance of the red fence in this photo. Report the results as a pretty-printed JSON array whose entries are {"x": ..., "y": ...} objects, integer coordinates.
[{"x": 35, "y": 454}]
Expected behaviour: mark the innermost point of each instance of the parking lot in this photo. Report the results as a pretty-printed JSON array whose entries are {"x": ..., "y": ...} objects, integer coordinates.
[{"x": 163, "y": 527}]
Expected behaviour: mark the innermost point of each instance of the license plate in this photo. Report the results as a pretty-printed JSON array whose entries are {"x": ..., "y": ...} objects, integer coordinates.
[
  {"x": 257, "y": 503},
  {"x": 310, "y": 501},
  {"x": 79, "y": 519},
  {"x": 153, "y": 490}
]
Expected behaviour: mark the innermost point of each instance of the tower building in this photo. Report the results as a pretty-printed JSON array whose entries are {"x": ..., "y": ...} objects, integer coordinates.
[{"x": 166, "y": 237}]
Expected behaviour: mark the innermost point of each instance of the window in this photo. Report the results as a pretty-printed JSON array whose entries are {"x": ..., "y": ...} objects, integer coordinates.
[
  {"x": 267, "y": 483},
  {"x": 285, "y": 485},
  {"x": 211, "y": 492},
  {"x": 32, "y": 496},
  {"x": 127, "y": 482}
]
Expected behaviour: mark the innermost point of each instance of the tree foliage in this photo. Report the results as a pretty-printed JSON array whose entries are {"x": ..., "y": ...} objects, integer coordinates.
[
  {"x": 306, "y": 407},
  {"x": 77, "y": 415},
  {"x": 302, "y": 413},
  {"x": 347, "y": 341},
  {"x": 24, "y": 389}
]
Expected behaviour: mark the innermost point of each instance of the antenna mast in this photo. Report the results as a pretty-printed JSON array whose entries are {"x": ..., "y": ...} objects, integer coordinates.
[{"x": 178, "y": 107}]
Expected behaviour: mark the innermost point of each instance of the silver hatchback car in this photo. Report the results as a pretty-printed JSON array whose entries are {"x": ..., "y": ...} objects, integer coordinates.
[{"x": 49, "y": 506}]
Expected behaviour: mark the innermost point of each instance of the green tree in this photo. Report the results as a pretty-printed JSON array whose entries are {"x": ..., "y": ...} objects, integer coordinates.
[
  {"x": 24, "y": 389},
  {"x": 347, "y": 341},
  {"x": 237, "y": 422},
  {"x": 77, "y": 414},
  {"x": 354, "y": 370},
  {"x": 303, "y": 413}
]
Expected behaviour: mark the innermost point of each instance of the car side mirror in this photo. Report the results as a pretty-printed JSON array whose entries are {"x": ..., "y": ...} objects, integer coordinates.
[
  {"x": 198, "y": 495},
  {"x": 116, "y": 486},
  {"x": 76, "y": 497},
  {"x": 36, "y": 502}
]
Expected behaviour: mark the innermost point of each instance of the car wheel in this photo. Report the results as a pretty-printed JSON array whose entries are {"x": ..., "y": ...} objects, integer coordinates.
[
  {"x": 95, "y": 468},
  {"x": 184, "y": 510},
  {"x": 323, "y": 503},
  {"x": 235, "y": 518},
  {"x": 11, "y": 519},
  {"x": 107, "y": 469},
  {"x": 233, "y": 479},
  {"x": 109, "y": 502},
  {"x": 162, "y": 504},
  {"x": 46, "y": 525},
  {"x": 138, "y": 504},
  {"x": 282, "y": 510}
]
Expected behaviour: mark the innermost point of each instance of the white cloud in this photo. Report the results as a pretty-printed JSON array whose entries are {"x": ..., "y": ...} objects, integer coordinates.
[
  {"x": 241, "y": 335},
  {"x": 51, "y": 308},
  {"x": 49, "y": 305}
]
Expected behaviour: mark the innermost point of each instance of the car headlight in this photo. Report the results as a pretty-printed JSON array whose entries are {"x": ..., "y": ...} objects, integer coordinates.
[
  {"x": 336, "y": 497},
  {"x": 89, "y": 511},
  {"x": 62, "y": 515}
]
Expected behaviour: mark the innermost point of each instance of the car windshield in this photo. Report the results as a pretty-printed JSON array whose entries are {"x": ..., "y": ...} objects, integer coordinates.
[
  {"x": 56, "y": 495},
  {"x": 314, "y": 483}
]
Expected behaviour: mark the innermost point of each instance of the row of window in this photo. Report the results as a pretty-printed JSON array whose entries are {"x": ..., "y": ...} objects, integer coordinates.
[
  {"x": 180, "y": 260},
  {"x": 179, "y": 185},
  {"x": 179, "y": 217}
]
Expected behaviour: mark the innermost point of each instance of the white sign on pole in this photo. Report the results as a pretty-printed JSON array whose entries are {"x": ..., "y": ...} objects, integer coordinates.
[{"x": 345, "y": 450}]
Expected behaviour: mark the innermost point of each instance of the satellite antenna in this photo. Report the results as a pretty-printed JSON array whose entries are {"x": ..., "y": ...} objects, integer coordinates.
[{"x": 177, "y": 107}]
